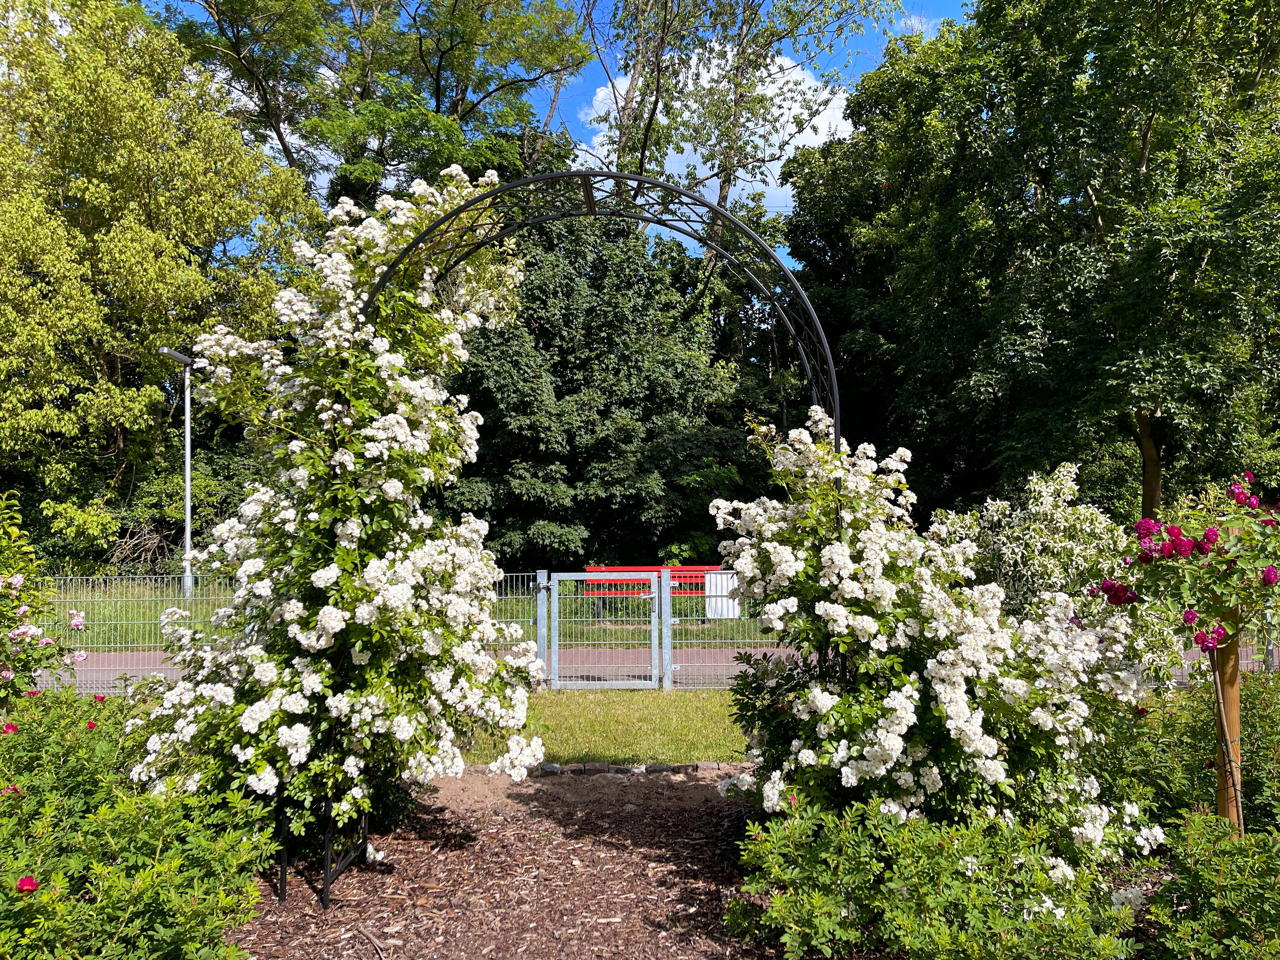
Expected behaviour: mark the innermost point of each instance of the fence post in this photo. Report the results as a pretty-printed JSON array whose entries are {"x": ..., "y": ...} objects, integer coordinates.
[
  {"x": 540, "y": 598},
  {"x": 665, "y": 615}
]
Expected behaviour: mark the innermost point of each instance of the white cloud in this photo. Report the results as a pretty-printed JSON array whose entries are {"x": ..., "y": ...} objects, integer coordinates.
[{"x": 917, "y": 23}]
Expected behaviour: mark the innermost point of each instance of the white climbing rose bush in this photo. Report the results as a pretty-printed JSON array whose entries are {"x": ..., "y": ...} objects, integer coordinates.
[
  {"x": 901, "y": 680},
  {"x": 357, "y": 650}
]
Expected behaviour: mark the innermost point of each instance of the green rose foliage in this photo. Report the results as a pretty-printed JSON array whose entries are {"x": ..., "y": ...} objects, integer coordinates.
[
  {"x": 122, "y": 874},
  {"x": 1223, "y": 898},
  {"x": 859, "y": 882},
  {"x": 27, "y": 655}
]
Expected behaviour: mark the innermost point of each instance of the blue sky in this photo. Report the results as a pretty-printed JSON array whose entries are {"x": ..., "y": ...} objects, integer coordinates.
[{"x": 861, "y": 50}]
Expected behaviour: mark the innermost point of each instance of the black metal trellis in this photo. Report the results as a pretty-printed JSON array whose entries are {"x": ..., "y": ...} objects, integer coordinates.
[
  {"x": 493, "y": 216},
  {"x": 333, "y": 864}
]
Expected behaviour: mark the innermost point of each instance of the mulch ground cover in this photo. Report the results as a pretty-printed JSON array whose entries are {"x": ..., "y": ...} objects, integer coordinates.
[{"x": 572, "y": 866}]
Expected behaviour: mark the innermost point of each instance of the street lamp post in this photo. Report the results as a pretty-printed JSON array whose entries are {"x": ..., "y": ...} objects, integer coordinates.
[{"x": 188, "y": 581}]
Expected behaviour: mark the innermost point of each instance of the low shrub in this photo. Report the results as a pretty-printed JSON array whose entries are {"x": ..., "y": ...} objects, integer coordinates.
[
  {"x": 95, "y": 868},
  {"x": 862, "y": 882},
  {"x": 1223, "y": 898},
  {"x": 1165, "y": 755}
]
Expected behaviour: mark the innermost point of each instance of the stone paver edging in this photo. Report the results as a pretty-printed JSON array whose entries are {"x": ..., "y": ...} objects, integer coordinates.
[{"x": 580, "y": 769}]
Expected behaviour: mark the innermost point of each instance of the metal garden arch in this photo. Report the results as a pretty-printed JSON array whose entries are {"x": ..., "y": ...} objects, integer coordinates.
[{"x": 493, "y": 216}]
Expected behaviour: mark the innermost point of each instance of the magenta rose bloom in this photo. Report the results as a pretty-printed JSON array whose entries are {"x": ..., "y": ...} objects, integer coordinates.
[
  {"x": 1146, "y": 528},
  {"x": 1248, "y": 476},
  {"x": 1184, "y": 546},
  {"x": 1209, "y": 643},
  {"x": 1241, "y": 497},
  {"x": 1218, "y": 633},
  {"x": 1269, "y": 576},
  {"x": 1146, "y": 556},
  {"x": 1211, "y": 535},
  {"x": 1166, "y": 549},
  {"x": 1189, "y": 617},
  {"x": 1173, "y": 533}
]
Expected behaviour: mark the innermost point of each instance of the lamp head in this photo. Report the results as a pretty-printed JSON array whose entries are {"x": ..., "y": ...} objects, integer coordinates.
[{"x": 175, "y": 356}]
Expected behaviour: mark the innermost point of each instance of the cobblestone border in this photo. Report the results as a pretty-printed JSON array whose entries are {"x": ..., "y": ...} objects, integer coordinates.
[{"x": 582, "y": 769}]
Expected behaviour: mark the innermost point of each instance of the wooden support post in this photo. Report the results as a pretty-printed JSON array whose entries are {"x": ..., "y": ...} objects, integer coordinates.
[{"x": 1226, "y": 681}]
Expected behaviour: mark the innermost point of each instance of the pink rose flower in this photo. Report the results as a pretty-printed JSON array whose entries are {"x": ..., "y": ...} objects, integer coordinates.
[
  {"x": 1189, "y": 617},
  {"x": 28, "y": 885},
  {"x": 1211, "y": 535},
  {"x": 1254, "y": 502},
  {"x": 98, "y": 697},
  {"x": 90, "y": 725},
  {"x": 1146, "y": 528},
  {"x": 9, "y": 728},
  {"x": 1248, "y": 476},
  {"x": 1269, "y": 576}
]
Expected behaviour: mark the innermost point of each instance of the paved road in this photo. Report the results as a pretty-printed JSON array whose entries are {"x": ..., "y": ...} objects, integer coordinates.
[{"x": 695, "y": 666}]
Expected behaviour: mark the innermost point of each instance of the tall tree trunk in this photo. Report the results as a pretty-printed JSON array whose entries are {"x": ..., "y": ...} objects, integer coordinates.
[{"x": 1150, "y": 463}]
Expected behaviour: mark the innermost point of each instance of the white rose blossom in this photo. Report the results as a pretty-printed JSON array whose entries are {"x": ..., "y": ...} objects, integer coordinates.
[
  {"x": 379, "y": 592},
  {"x": 910, "y": 665}
]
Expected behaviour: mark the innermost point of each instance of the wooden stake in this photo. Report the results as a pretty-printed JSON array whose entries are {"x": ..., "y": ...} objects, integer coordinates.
[{"x": 1226, "y": 682}]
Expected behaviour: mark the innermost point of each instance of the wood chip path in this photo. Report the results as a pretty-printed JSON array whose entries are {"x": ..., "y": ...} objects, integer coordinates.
[{"x": 626, "y": 867}]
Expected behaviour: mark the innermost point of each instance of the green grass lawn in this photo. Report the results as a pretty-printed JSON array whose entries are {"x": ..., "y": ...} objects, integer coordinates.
[{"x": 631, "y": 727}]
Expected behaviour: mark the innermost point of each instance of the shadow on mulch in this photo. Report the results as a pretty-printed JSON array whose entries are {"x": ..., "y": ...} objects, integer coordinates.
[{"x": 601, "y": 866}]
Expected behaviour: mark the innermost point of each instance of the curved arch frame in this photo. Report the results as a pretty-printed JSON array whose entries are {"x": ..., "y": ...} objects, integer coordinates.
[{"x": 511, "y": 207}]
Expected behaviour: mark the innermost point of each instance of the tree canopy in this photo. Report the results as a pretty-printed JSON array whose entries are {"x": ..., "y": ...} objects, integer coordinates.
[
  {"x": 1052, "y": 237},
  {"x": 370, "y": 95},
  {"x": 607, "y": 417},
  {"x": 131, "y": 214}
]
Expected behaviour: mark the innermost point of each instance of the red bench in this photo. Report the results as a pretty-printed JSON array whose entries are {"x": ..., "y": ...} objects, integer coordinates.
[{"x": 686, "y": 581}]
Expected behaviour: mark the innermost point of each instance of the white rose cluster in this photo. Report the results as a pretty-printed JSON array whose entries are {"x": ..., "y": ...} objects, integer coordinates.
[
  {"x": 909, "y": 683},
  {"x": 360, "y": 646}
]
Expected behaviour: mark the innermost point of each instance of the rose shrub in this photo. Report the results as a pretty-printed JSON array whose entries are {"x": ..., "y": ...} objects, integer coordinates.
[
  {"x": 910, "y": 684},
  {"x": 909, "y": 695},
  {"x": 95, "y": 867},
  {"x": 357, "y": 650},
  {"x": 28, "y": 656}
]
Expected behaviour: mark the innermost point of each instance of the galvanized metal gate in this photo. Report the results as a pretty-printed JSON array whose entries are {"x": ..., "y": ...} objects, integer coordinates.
[{"x": 604, "y": 631}]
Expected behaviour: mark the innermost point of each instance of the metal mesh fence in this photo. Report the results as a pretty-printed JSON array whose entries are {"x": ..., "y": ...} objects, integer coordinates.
[
  {"x": 708, "y": 631},
  {"x": 707, "y": 627},
  {"x": 122, "y": 622}
]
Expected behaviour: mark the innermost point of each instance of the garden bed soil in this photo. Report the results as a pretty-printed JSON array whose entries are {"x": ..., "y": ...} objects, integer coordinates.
[{"x": 575, "y": 866}]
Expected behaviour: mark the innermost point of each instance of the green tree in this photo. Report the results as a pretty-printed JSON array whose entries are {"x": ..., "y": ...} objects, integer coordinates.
[
  {"x": 718, "y": 91},
  {"x": 1052, "y": 237},
  {"x": 371, "y": 94},
  {"x": 132, "y": 216},
  {"x": 608, "y": 424}
]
